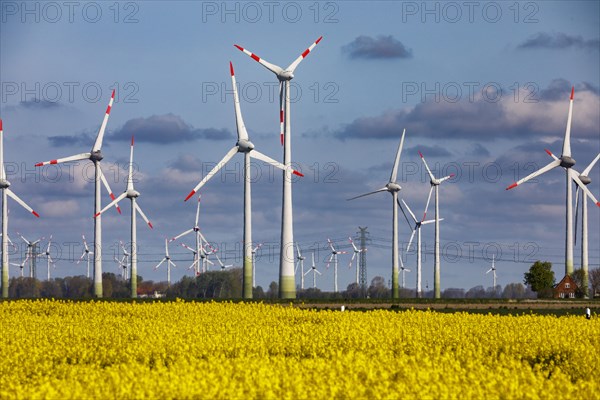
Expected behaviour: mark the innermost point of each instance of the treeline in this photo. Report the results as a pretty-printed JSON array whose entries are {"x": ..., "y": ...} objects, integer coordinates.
[{"x": 228, "y": 285}]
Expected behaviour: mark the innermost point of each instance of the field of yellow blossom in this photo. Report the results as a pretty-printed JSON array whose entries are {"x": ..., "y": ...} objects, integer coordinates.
[{"x": 180, "y": 350}]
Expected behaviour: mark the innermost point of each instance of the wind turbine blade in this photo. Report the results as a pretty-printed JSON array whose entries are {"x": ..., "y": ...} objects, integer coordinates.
[
  {"x": 540, "y": 171},
  {"x": 281, "y": 113},
  {"x": 446, "y": 178},
  {"x": 298, "y": 250},
  {"x": 426, "y": 166},
  {"x": 353, "y": 245},
  {"x": 198, "y": 211},
  {"x": 271, "y": 67},
  {"x": 317, "y": 271},
  {"x": 313, "y": 259},
  {"x": 427, "y": 204},
  {"x": 182, "y": 234},
  {"x": 412, "y": 236},
  {"x": 352, "y": 260},
  {"x": 100, "y": 137},
  {"x": 166, "y": 247},
  {"x": 109, "y": 190},
  {"x": 403, "y": 213},
  {"x": 489, "y": 270},
  {"x": 16, "y": 198},
  {"x": 394, "y": 174},
  {"x": 302, "y": 56},
  {"x": 576, "y": 213},
  {"x": 216, "y": 169},
  {"x": 112, "y": 203},
  {"x": 587, "y": 169},
  {"x": 138, "y": 208},
  {"x": 81, "y": 258},
  {"x": 308, "y": 272},
  {"x": 583, "y": 187},
  {"x": 160, "y": 263},
  {"x": 130, "y": 171},
  {"x": 330, "y": 244},
  {"x": 383, "y": 189},
  {"x": 76, "y": 157},
  {"x": 566, "y": 150},
  {"x": 242, "y": 133},
  {"x": 188, "y": 247},
  {"x": 410, "y": 211},
  {"x": 260, "y": 156}
]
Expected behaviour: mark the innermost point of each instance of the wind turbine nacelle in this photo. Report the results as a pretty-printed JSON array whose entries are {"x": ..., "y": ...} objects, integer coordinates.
[
  {"x": 393, "y": 187},
  {"x": 133, "y": 194},
  {"x": 585, "y": 179},
  {"x": 245, "y": 146},
  {"x": 286, "y": 76},
  {"x": 567, "y": 162},
  {"x": 96, "y": 156},
  {"x": 4, "y": 184}
]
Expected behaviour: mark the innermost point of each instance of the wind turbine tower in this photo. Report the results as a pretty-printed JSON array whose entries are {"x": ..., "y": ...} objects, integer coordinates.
[{"x": 287, "y": 281}]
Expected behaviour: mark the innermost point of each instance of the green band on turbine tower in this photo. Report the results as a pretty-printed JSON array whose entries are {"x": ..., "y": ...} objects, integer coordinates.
[
  {"x": 287, "y": 290},
  {"x": 247, "y": 278}
]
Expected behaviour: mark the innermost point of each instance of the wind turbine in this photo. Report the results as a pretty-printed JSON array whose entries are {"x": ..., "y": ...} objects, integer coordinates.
[
  {"x": 355, "y": 255},
  {"x": 48, "y": 256},
  {"x": 31, "y": 255},
  {"x": 22, "y": 265},
  {"x": 246, "y": 147},
  {"x": 170, "y": 263},
  {"x": 199, "y": 236},
  {"x": 586, "y": 180},
  {"x": 567, "y": 162},
  {"x": 86, "y": 253},
  {"x": 393, "y": 188},
  {"x": 435, "y": 184},
  {"x": 314, "y": 270},
  {"x": 493, "y": 270},
  {"x": 123, "y": 266},
  {"x": 223, "y": 266},
  {"x": 300, "y": 263},
  {"x": 287, "y": 282},
  {"x": 6, "y": 192},
  {"x": 132, "y": 195},
  {"x": 201, "y": 260},
  {"x": 254, "y": 250},
  {"x": 95, "y": 155},
  {"x": 404, "y": 270},
  {"x": 417, "y": 230},
  {"x": 334, "y": 257}
]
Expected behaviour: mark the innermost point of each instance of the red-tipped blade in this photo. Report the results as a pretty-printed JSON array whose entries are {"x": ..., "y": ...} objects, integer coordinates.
[
  {"x": 95, "y": 215},
  {"x": 514, "y": 185},
  {"x": 572, "y": 92},
  {"x": 297, "y": 173},
  {"x": 231, "y": 68},
  {"x": 319, "y": 39},
  {"x": 548, "y": 151},
  {"x": 451, "y": 175},
  {"x": 281, "y": 138},
  {"x": 420, "y": 154},
  {"x": 598, "y": 204},
  {"x": 131, "y": 140},
  {"x": 33, "y": 212},
  {"x": 0, "y": 124},
  {"x": 150, "y": 225},
  {"x": 239, "y": 47},
  {"x": 190, "y": 195},
  {"x": 39, "y": 164},
  {"x": 113, "y": 94}
]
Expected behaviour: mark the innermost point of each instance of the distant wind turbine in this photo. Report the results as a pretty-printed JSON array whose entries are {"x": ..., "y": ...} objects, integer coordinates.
[
  {"x": 300, "y": 263},
  {"x": 46, "y": 254},
  {"x": 86, "y": 254},
  {"x": 314, "y": 271},
  {"x": 95, "y": 155},
  {"x": 393, "y": 188},
  {"x": 493, "y": 270},
  {"x": 435, "y": 184},
  {"x": 334, "y": 258},
  {"x": 170, "y": 263},
  {"x": 356, "y": 252},
  {"x": 132, "y": 195},
  {"x": 6, "y": 192}
]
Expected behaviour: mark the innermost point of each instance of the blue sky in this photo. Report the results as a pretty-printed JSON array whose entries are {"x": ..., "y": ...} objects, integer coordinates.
[{"x": 482, "y": 90}]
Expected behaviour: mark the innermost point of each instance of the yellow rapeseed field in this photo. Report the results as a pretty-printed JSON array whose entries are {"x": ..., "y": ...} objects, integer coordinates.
[{"x": 179, "y": 350}]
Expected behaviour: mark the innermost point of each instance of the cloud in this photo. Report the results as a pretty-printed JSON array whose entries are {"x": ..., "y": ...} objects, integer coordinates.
[
  {"x": 430, "y": 151},
  {"x": 483, "y": 120},
  {"x": 59, "y": 208},
  {"x": 37, "y": 104},
  {"x": 558, "y": 40},
  {"x": 64, "y": 141},
  {"x": 166, "y": 129},
  {"x": 381, "y": 47}
]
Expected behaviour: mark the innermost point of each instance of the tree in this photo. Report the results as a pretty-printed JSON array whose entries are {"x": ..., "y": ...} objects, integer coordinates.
[
  {"x": 454, "y": 293},
  {"x": 594, "y": 277},
  {"x": 541, "y": 278},
  {"x": 476, "y": 292},
  {"x": 378, "y": 289},
  {"x": 577, "y": 276},
  {"x": 514, "y": 291}
]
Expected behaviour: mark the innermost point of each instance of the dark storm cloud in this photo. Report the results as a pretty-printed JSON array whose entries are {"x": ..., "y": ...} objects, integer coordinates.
[
  {"x": 430, "y": 151},
  {"x": 166, "y": 129},
  {"x": 76, "y": 140},
  {"x": 559, "y": 40},
  {"x": 381, "y": 47},
  {"x": 37, "y": 104}
]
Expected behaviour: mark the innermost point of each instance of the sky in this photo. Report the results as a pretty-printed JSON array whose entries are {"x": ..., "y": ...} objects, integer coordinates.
[{"x": 482, "y": 88}]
